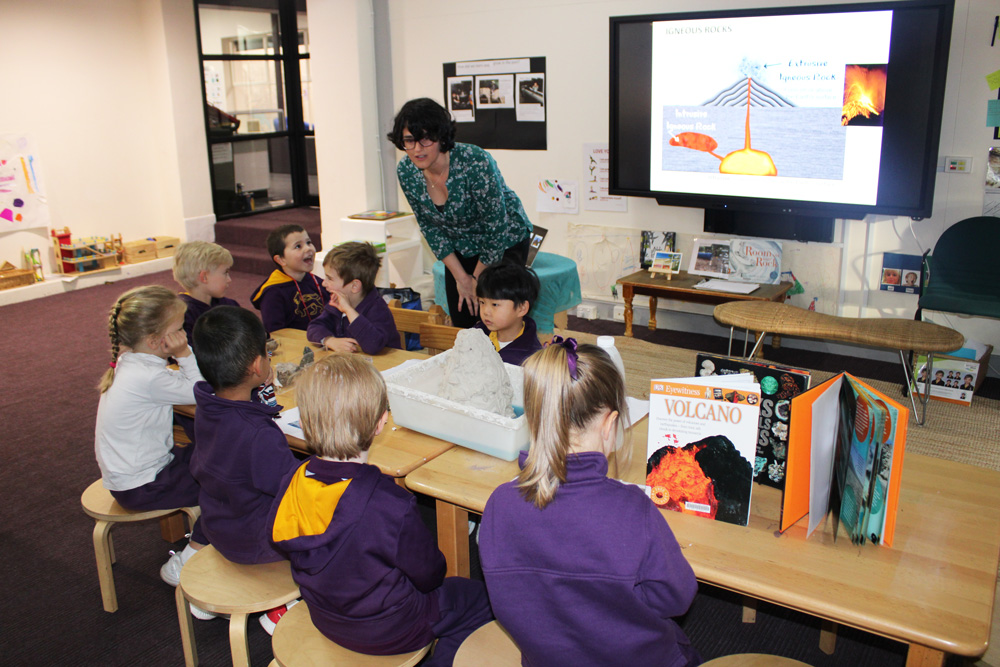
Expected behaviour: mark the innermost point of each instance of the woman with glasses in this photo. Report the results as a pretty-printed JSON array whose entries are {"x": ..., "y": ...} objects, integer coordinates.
[{"x": 468, "y": 215}]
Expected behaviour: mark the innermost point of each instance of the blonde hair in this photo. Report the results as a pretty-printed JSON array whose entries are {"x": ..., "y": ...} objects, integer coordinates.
[
  {"x": 194, "y": 257},
  {"x": 139, "y": 313},
  {"x": 556, "y": 405},
  {"x": 341, "y": 400},
  {"x": 354, "y": 260}
]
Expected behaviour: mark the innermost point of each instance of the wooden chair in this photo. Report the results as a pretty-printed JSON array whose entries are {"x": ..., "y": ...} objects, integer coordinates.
[
  {"x": 100, "y": 505},
  {"x": 297, "y": 643},
  {"x": 753, "y": 660},
  {"x": 489, "y": 646},
  {"x": 218, "y": 585},
  {"x": 437, "y": 338},
  {"x": 409, "y": 321}
]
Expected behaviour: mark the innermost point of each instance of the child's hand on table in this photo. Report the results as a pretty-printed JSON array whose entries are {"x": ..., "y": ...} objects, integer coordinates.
[
  {"x": 175, "y": 344},
  {"x": 341, "y": 344}
]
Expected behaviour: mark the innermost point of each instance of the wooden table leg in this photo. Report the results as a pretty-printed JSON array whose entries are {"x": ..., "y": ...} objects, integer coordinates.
[
  {"x": 453, "y": 538},
  {"x": 652, "y": 313},
  {"x": 172, "y": 527},
  {"x": 628, "y": 294},
  {"x": 749, "y": 609},
  {"x": 924, "y": 656},
  {"x": 827, "y": 637}
]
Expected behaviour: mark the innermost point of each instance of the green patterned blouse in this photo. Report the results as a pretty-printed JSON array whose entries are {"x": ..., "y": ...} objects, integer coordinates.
[{"x": 482, "y": 215}]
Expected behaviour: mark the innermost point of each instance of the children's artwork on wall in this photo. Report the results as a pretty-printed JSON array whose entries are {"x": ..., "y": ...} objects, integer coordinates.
[
  {"x": 556, "y": 196},
  {"x": 461, "y": 102},
  {"x": 22, "y": 200},
  {"x": 900, "y": 273},
  {"x": 602, "y": 256}
]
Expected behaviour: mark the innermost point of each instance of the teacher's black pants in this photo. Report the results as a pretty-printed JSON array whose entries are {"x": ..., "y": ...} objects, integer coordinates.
[{"x": 516, "y": 254}]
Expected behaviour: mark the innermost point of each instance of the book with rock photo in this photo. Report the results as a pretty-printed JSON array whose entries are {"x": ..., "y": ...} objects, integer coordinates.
[
  {"x": 702, "y": 440},
  {"x": 755, "y": 261},
  {"x": 778, "y": 385},
  {"x": 652, "y": 242}
]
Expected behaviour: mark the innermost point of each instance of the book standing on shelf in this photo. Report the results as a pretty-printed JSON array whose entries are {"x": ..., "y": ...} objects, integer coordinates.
[
  {"x": 702, "y": 439},
  {"x": 778, "y": 385},
  {"x": 845, "y": 455},
  {"x": 653, "y": 242}
]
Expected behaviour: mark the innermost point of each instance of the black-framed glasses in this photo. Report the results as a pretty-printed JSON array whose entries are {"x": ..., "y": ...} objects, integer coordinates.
[{"x": 410, "y": 142}]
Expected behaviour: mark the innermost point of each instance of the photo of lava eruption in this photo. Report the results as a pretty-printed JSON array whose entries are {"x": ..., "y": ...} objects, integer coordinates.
[{"x": 864, "y": 95}]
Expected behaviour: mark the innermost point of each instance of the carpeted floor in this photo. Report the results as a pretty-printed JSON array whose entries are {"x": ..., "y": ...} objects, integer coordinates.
[{"x": 54, "y": 351}]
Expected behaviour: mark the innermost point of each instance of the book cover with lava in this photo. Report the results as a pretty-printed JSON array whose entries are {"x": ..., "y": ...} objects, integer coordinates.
[{"x": 702, "y": 439}]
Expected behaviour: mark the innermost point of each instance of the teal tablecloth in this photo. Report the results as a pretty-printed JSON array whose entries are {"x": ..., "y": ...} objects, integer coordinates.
[{"x": 560, "y": 288}]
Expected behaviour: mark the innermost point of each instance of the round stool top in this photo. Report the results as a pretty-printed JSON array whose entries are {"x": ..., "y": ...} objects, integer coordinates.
[
  {"x": 489, "y": 646},
  {"x": 100, "y": 504},
  {"x": 212, "y": 582},
  {"x": 753, "y": 660},
  {"x": 297, "y": 643}
]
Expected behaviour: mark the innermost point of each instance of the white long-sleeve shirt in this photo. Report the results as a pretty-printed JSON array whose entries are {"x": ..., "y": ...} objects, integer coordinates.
[{"x": 134, "y": 432}]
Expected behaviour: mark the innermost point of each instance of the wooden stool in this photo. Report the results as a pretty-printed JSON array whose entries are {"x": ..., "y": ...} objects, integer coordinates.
[
  {"x": 753, "y": 660},
  {"x": 489, "y": 646},
  {"x": 220, "y": 586},
  {"x": 99, "y": 504},
  {"x": 297, "y": 643}
]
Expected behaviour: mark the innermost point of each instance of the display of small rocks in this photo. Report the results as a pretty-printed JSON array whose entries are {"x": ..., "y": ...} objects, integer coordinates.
[{"x": 285, "y": 371}]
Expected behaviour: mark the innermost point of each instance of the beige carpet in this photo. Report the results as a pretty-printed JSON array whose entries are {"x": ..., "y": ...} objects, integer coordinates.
[{"x": 967, "y": 434}]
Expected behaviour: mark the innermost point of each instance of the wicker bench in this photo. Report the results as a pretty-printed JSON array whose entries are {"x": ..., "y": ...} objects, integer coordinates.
[{"x": 763, "y": 317}]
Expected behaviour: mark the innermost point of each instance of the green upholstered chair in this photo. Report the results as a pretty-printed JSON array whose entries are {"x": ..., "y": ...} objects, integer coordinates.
[{"x": 962, "y": 275}]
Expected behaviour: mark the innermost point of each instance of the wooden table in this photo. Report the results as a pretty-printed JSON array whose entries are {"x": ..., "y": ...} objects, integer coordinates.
[
  {"x": 681, "y": 287},
  {"x": 933, "y": 590}
]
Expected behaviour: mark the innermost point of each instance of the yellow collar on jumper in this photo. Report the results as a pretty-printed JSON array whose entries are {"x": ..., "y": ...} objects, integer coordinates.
[
  {"x": 277, "y": 277},
  {"x": 496, "y": 339},
  {"x": 307, "y": 506}
]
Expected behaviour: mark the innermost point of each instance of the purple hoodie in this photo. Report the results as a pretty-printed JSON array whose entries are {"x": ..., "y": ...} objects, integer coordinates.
[
  {"x": 522, "y": 347},
  {"x": 196, "y": 309},
  {"x": 373, "y": 328},
  {"x": 361, "y": 555},
  {"x": 594, "y": 578},
  {"x": 240, "y": 468}
]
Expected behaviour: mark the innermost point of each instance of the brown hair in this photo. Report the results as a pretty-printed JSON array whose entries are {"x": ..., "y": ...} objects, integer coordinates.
[
  {"x": 341, "y": 400},
  {"x": 556, "y": 405},
  {"x": 138, "y": 313},
  {"x": 354, "y": 260}
]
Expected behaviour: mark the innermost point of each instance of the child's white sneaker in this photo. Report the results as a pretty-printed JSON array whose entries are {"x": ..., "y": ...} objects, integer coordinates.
[
  {"x": 171, "y": 570},
  {"x": 202, "y": 614}
]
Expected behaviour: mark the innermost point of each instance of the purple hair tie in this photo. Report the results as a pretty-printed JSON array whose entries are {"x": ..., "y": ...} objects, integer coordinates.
[{"x": 570, "y": 345}]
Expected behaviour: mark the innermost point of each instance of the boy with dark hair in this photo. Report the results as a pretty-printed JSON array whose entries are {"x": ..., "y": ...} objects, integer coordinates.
[
  {"x": 292, "y": 296},
  {"x": 367, "y": 565},
  {"x": 506, "y": 292},
  {"x": 245, "y": 454},
  {"x": 356, "y": 316}
]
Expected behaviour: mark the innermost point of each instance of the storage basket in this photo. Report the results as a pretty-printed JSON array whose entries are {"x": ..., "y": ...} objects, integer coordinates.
[
  {"x": 140, "y": 251},
  {"x": 166, "y": 246},
  {"x": 10, "y": 276}
]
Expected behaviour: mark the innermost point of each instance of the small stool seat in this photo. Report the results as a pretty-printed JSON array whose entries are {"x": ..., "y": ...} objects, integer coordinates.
[
  {"x": 297, "y": 643},
  {"x": 488, "y": 646},
  {"x": 218, "y": 585},
  {"x": 100, "y": 505},
  {"x": 753, "y": 660}
]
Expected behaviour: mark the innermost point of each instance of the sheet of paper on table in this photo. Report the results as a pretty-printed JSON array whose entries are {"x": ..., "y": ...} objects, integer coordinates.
[
  {"x": 727, "y": 286},
  {"x": 288, "y": 422}
]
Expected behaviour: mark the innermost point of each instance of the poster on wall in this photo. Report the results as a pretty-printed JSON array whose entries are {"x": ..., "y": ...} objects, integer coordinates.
[
  {"x": 900, "y": 273},
  {"x": 530, "y": 99},
  {"x": 991, "y": 194},
  {"x": 495, "y": 91},
  {"x": 556, "y": 196},
  {"x": 22, "y": 200},
  {"x": 602, "y": 256},
  {"x": 461, "y": 103},
  {"x": 597, "y": 175}
]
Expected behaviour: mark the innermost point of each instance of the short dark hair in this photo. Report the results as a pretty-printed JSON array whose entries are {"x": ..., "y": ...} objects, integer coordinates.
[
  {"x": 424, "y": 117},
  {"x": 276, "y": 239},
  {"x": 227, "y": 339},
  {"x": 354, "y": 260},
  {"x": 508, "y": 281}
]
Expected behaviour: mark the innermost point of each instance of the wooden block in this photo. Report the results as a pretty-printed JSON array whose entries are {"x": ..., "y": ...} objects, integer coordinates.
[
  {"x": 166, "y": 246},
  {"x": 139, "y": 251}
]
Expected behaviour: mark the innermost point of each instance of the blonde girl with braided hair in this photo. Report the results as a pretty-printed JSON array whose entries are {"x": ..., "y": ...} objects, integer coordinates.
[
  {"x": 134, "y": 436},
  {"x": 582, "y": 568}
]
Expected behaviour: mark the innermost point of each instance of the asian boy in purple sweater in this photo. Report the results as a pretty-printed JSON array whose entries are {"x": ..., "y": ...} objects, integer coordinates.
[
  {"x": 506, "y": 293},
  {"x": 292, "y": 296},
  {"x": 366, "y": 564},
  {"x": 356, "y": 318}
]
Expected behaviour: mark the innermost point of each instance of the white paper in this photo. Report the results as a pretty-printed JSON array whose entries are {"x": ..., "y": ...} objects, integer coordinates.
[
  {"x": 556, "y": 196},
  {"x": 597, "y": 173},
  {"x": 825, "y": 417},
  {"x": 495, "y": 91},
  {"x": 461, "y": 100},
  {"x": 637, "y": 409},
  {"x": 288, "y": 422},
  {"x": 530, "y": 102},
  {"x": 500, "y": 66},
  {"x": 730, "y": 286}
]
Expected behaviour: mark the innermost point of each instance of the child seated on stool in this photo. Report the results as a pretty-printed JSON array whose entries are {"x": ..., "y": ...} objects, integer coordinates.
[
  {"x": 506, "y": 292},
  {"x": 292, "y": 296},
  {"x": 134, "y": 437},
  {"x": 362, "y": 557},
  {"x": 582, "y": 569},
  {"x": 242, "y": 455},
  {"x": 356, "y": 316},
  {"x": 202, "y": 268}
]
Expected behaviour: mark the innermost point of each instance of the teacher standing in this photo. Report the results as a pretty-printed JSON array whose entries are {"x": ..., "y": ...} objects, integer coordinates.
[{"x": 465, "y": 210}]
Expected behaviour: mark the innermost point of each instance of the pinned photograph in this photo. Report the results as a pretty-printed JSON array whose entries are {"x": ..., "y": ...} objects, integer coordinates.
[
  {"x": 530, "y": 97},
  {"x": 495, "y": 91},
  {"x": 461, "y": 102}
]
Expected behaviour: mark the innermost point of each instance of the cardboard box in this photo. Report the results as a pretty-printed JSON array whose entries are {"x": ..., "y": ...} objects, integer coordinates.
[
  {"x": 949, "y": 369},
  {"x": 166, "y": 246},
  {"x": 139, "y": 251}
]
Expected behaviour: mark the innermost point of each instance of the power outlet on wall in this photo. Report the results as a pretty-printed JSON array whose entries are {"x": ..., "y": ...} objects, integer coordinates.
[
  {"x": 587, "y": 312},
  {"x": 619, "y": 314}
]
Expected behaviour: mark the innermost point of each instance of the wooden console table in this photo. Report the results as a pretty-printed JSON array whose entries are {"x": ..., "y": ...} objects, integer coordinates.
[{"x": 681, "y": 287}]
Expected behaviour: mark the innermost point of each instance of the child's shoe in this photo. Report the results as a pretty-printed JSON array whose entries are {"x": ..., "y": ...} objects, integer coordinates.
[
  {"x": 202, "y": 614},
  {"x": 269, "y": 619},
  {"x": 171, "y": 570}
]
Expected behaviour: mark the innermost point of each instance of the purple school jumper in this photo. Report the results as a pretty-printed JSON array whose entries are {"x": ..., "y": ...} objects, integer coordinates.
[
  {"x": 594, "y": 578},
  {"x": 367, "y": 566},
  {"x": 240, "y": 469},
  {"x": 285, "y": 304},
  {"x": 373, "y": 328},
  {"x": 522, "y": 347},
  {"x": 196, "y": 309}
]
